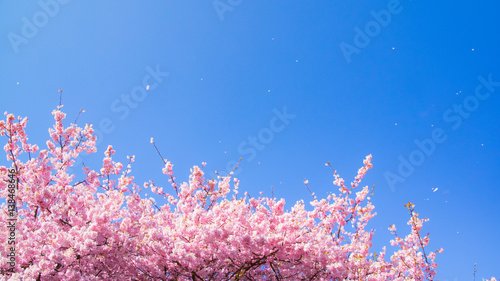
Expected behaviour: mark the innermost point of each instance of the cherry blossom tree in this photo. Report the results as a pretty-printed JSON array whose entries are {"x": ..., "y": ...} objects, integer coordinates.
[{"x": 98, "y": 227}]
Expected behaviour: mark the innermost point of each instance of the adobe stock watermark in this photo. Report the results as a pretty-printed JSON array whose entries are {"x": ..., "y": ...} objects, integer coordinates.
[
  {"x": 362, "y": 37},
  {"x": 31, "y": 27},
  {"x": 129, "y": 101},
  {"x": 249, "y": 148},
  {"x": 223, "y": 6},
  {"x": 13, "y": 186},
  {"x": 123, "y": 105},
  {"x": 454, "y": 115}
]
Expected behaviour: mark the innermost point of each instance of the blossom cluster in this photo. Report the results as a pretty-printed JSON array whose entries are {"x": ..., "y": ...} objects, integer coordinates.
[{"x": 100, "y": 228}]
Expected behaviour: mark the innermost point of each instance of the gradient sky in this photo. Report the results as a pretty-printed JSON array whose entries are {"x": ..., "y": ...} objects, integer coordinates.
[{"x": 221, "y": 73}]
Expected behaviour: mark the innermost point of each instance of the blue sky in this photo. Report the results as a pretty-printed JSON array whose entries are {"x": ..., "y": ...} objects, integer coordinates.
[{"x": 287, "y": 86}]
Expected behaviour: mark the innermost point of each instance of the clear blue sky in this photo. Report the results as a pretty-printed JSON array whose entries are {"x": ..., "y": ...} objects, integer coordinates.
[{"x": 352, "y": 81}]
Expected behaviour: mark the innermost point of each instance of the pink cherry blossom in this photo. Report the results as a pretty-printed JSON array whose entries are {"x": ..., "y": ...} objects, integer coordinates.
[{"x": 99, "y": 227}]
